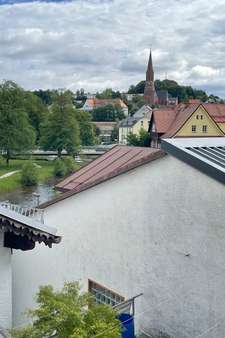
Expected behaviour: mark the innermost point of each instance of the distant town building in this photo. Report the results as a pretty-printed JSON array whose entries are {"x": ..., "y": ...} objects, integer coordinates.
[
  {"x": 133, "y": 124},
  {"x": 105, "y": 130},
  {"x": 192, "y": 119},
  {"x": 153, "y": 97},
  {"x": 92, "y": 103},
  {"x": 149, "y": 91},
  {"x": 140, "y": 220}
]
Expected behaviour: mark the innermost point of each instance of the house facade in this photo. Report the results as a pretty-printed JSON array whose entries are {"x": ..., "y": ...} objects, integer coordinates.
[
  {"x": 187, "y": 120},
  {"x": 18, "y": 232},
  {"x": 92, "y": 103},
  {"x": 133, "y": 124},
  {"x": 140, "y": 220}
]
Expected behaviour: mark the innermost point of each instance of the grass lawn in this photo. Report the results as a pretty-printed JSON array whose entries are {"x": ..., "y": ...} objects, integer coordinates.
[{"x": 12, "y": 183}]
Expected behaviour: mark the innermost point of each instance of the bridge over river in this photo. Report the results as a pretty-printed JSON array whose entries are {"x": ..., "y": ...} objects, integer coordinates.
[{"x": 86, "y": 151}]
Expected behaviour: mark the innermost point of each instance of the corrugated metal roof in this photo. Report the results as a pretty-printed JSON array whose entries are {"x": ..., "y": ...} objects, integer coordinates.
[
  {"x": 114, "y": 162},
  {"x": 205, "y": 154}
]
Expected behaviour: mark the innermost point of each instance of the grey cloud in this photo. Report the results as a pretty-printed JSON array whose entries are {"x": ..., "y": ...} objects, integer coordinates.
[{"x": 105, "y": 43}]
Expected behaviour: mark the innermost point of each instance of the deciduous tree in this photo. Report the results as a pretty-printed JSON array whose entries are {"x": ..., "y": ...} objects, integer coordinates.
[
  {"x": 16, "y": 132},
  {"x": 69, "y": 314},
  {"x": 61, "y": 131}
]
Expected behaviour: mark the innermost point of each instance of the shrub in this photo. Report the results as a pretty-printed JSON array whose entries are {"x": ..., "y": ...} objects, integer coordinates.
[
  {"x": 29, "y": 176},
  {"x": 60, "y": 169},
  {"x": 70, "y": 165}
]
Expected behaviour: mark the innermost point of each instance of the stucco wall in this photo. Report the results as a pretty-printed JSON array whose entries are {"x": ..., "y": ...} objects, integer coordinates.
[
  {"x": 5, "y": 285},
  {"x": 158, "y": 229},
  {"x": 206, "y": 120}
]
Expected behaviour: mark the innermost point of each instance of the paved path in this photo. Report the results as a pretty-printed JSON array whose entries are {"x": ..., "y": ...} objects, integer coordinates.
[{"x": 9, "y": 174}]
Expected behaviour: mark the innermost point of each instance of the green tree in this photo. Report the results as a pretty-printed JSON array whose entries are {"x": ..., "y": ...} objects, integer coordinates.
[
  {"x": 16, "y": 132},
  {"x": 87, "y": 130},
  {"x": 37, "y": 112},
  {"x": 61, "y": 131},
  {"x": 108, "y": 93},
  {"x": 107, "y": 113},
  {"x": 29, "y": 176},
  {"x": 69, "y": 314},
  {"x": 140, "y": 140}
]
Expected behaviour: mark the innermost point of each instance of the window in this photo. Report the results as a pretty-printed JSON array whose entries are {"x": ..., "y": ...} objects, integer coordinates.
[
  {"x": 197, "y": 117},
  {"x": 201, "y": 117},
  {"x": 142, "y": 123},
  {"x": 104, "y": 295},
  {"x": 193, "y": 129},
  {"x": 204, "y": 129}
]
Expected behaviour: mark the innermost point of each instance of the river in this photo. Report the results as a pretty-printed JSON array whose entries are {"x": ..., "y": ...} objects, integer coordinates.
[{"x": 28, "y": 197}]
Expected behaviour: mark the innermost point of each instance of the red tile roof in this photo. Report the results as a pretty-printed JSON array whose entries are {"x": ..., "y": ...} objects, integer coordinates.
[
  {"x": 103, "y": 102},
  {"x": 183, "y": 114},
  {"x": 163, "y": 118},
  {"x": 216, "y": 111},
  {"x": 184, "y": 111},
  {"x": 114, "y": 162}
]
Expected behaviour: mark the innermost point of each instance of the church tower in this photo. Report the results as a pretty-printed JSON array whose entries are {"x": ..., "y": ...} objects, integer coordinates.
[{"x": 150, "y": 95}]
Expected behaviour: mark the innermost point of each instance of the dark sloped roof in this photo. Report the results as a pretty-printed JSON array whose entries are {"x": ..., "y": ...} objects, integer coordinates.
[
  {"x": 129, "y": 121},
  {"x": 114, "y": 162}
]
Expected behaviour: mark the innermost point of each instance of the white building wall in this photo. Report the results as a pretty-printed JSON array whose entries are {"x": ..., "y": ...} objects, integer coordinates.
[
  {"x": 158, "y": 229},
  {"x": 5, "y": 286}
]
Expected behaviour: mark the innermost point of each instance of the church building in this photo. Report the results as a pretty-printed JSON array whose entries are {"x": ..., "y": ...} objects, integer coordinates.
[{"x": 153, "y": 96}]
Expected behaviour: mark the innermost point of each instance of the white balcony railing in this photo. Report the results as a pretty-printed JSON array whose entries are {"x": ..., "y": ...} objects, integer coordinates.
[{"x": 34, "y": 213}]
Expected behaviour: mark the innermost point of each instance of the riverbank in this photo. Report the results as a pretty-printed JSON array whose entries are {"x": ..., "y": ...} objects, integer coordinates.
[{"x": 13, "y": 182}]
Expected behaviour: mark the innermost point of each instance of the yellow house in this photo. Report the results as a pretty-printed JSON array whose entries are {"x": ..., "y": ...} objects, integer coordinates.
[
  {"x": 194, "y": 121},
  {"x": 133, "y": 124},
  {"x": 199, "y": 124}
]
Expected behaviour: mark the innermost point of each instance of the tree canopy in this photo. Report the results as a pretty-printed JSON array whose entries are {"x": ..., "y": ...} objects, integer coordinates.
[
  {"x": 69, "y": 314},
  {"x": 61, "y": 131},
  {"x": 87, "y": 129},
  {"x": 140, "y": 140},
  {"x": 182, "y": 92},
  {"x": 107, "y": 113},
  {"x": 16, "y": 132},
  {"x": 108, "y": 93}
]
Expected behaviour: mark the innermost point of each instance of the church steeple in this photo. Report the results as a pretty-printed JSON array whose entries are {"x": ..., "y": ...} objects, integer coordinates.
[
  {"x": 150, "y": 95},
  {"x": 150, "y": 71}
]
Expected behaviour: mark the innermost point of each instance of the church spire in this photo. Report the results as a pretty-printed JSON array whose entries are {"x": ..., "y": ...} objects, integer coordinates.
[
  {"x": 150, "y": 71},
  {"x": 150, "y": 95}
]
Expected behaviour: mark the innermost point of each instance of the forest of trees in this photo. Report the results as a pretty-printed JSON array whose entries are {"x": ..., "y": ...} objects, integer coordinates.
[
  {"x": 174, "y": 89},
  {"x": 27, "y": 121},
  {"x": 50, "y": 119}
]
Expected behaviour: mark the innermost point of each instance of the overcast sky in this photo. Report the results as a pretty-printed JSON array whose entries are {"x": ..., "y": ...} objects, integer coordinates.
[{"x": 96, "y": 44}]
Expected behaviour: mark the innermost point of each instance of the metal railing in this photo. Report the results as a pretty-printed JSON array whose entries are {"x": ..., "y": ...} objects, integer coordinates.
[{"x": 34, "y": 213}]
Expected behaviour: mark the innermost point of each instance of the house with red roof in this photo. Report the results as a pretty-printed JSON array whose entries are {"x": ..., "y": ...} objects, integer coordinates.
[
  {"x": 140, "y": 221},
  {"x": 92, "y": 103},
  {"x": 192, "y": 119}
]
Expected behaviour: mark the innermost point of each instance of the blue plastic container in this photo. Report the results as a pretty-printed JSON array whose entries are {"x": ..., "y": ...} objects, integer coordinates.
[{"x": 128, "y": 325}]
